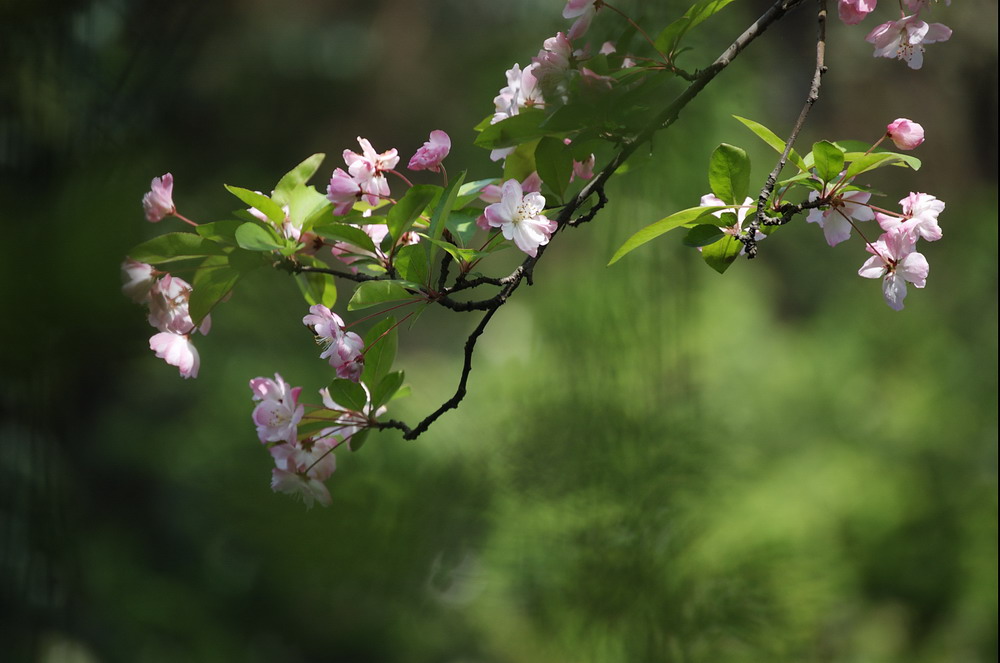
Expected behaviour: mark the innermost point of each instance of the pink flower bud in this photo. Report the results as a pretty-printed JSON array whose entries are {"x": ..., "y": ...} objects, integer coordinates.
[
  {"x": 905, "y": 134},
  {"x": 433, "y": 152},
  {"x": 158, "y": 202},
  {"x": 853, "y": 12}
]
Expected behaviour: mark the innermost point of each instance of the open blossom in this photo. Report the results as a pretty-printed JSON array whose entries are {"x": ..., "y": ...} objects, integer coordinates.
[
  {"x": 368, "y": 170},
  {"x": 520, "y": 218},
  {"x": 433, "y": 152},
  {"x": 177, "y": 350},
  {"x": 853, "y": 12},
  {"x": 920, "y": 216},
  {"x": 343, "y": 191},
  {"x": 896, "y": 263},
  {"x": 904, "y": 39},
  {"x": 835, "y": 219},
  {"x": 278, "y": 412},
  {"x": 158, "y": 203},
  {"x": 343, "y": 349},
  {"x": 905, "y": 134}
]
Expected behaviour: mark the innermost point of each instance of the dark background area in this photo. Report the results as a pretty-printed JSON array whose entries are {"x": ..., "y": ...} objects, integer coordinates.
[{"x": 654, "y": 462}]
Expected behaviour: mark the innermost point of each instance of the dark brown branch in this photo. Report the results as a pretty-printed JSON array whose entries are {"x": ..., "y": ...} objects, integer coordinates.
[{"x": 749, "y": 236}]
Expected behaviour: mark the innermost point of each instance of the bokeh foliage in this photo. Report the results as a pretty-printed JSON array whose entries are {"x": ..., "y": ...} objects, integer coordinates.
[{"x": 654, "y": 462}]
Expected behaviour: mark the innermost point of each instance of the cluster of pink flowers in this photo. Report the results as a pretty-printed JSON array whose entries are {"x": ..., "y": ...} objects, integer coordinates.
[
  {"x": 342, "y": 348},
  {"x": 302, "y": 465},
  {"x": 894, "y": 258},
  {"x": 365, "y": 176},
  {"x": 167, "y": 298},
  {"x": 904, "y": 38}
]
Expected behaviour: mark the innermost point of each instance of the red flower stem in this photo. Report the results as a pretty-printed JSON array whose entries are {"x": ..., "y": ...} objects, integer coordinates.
[
  {"x": 382, "y": 335},
  {"x": 185, "y": 219},
  {"x": 639, "y": 28},
  {"x": 870, "y": 245},
  {"x": 400, "y": 176},
  {"x": 375, "y": 315},
  {"x": 444, "y": 174}
]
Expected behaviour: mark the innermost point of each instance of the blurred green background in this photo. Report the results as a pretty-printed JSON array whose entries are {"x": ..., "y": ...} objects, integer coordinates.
[{"x": 654, "y": 463}]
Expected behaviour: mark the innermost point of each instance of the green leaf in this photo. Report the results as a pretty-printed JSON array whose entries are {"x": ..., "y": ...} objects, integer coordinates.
[
  {"x": 246, "y": 261},
  {"x": 520, "y": 128},
  {"x": 381, "y": 341},
  {"x": 571, "y": 117},
  {"x": 462, "y": 255},
  {"x": 409, "y": 208},
  {"x": 412, "y": 265},
  {"x": 702, "y": 235},
  {"x": 445, "y": 204},
  {"x": 470, "y": 191},
  {"x": 342, "y": 232},
  {"x": 306, "y": 205},
  {"x": 358, "y": 439},
  {"x": 520, "y": 163},
  {"x": 265, "y": 205},
  {"x": 213, "y": 280},
  {"x": 722, "y": 254},
  {"x": 729, "y": 174},
  {"x": 316, "y": 287},
  {"x": 255, "y": 237},
  {"x": 174, "y": 246},
  {"x": 829, "y": 160},
  {"x": 386, "y": 389},
  {"x": 294, "y": 178},
  {"x": 667, "y": 40},
  {"x": 863, "y": 163},
  {"x": 371, "y": 293},
  {"x": 462, "y": 224},
  {"x": 219, "y": 231},
  {"x": 773, "y": 141},
  {"x": 555, "y": 164},
  {"x": 349, "y": 395},
  {"x": 654, "y": 230}
]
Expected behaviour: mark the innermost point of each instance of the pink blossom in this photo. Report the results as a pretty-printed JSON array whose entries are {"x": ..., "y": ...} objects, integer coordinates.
[
  {"x": 168, "y": 306},
  {"x": 916, "y": 6},
  {"x": 905, "y": 134},
  {"x": 904, "y": 39},
  {"x": 433, "y": 152},
  {"x": 309, "y": 489},
  {"x": 158, "y": 202},
  {"x": 278, "y": 412},
  {"x": 139, "y": 278},
  {"x": 287, "y": 229},
  {"x": 607, "y": 48},
  {"x": 368, "y": 170},
  {"x": 520, "y": 218},
  {"x": 594, "y": 81},
  {"x": 895, "y": 262},
  {"x": 853, "y": 12},
  {"x": 522, "y": 91},
  {"x": 835, "y": 218},
  {"x": 492, "y": 194},
  {"x": 920, "y": 216},
  {"x": 312, "y": 457},
  {"x": 177, "y": 350},
  {"x": 583, "y": 11},
  {"x": 343, "y": 349},
  {"x": 343, "y": 191},
  {"x": 552, "y": 66}
]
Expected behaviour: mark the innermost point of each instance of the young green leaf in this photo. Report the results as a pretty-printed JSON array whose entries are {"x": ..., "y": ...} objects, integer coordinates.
[
  {"x": 722, "y": 254},
  {"x": 253, "y": 236},
  {"x": 174, "y": 246},
  {"x": 442, "y": 210},
  {"x": 409, "y": 208},
  {"x": 265, "y": 205},
  {"x": 342, "y": 232},
  {"x": 773, "y": 141},
  {"x": 349, "y": 395},
  {"x": 470, "y": 191},
  {"x": 386, "y": 389},
  {"x": 520, "y": 128},
  {"x": 380, "y": 341},
  {"x": 555, "y": 164},
  {"x": 829, "y": 160},
  {"x": 654, "y": 230},
  {"x": 213, "y": 280},
  {"x": 371, "y": 293},
  {"x": 729, "y": 174},
  {"x": 316, "y": 287},
  {"x": 296, "y": 177},
  {"x": 412, "y": 265},
  {"x": 667, "y": 41},
  {"x": 219, "y": 231},
  {"x": 702, "y": 235}
]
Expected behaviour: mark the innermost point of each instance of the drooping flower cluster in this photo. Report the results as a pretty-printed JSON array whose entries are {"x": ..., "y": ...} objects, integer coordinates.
[
  {"x": 301, "y": 465},
  {"x": 343, "y": 349},
  {"x": 167, "y": 298},
  {"x": 903, "y": 39}
]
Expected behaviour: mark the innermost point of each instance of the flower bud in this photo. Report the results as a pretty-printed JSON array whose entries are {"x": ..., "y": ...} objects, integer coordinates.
[{"x": 905, "y": 134}]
